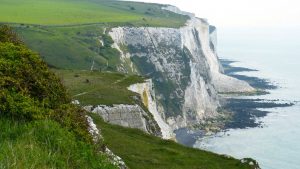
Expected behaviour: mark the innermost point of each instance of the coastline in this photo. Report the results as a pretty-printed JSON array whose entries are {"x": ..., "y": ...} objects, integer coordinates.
[{"x": 243, "y": 111}]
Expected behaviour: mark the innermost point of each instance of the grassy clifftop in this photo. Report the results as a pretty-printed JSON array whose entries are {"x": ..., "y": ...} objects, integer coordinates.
[{"x": 71, "y": 12}]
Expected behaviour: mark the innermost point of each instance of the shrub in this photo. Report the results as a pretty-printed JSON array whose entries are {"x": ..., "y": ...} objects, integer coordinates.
[
  {"x": 73, "y": 118},
  {"x": 23, "y": 71},
  {"x": 16, "y": 105},
  {"x": 30, "y": 91},
  {"x": 8, "y": 35}
]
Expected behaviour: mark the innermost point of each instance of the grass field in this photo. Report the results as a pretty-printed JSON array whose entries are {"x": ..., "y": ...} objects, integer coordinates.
[
  {"x": 140, "y": 150},
  {"x": 70, "y": 12},
  {"x": 45, "y": 144},
  {"x": 73, "y": 47},
  {"x": 95, "y": 88}
]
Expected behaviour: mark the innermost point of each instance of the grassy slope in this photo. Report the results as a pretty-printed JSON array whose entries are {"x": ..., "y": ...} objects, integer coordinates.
[
  {"x": 102, "y": 88},
  {"x": 140, "y": 150},
  {"x": 74, "y": 47},
  {"x": 40, "y": 128},
  {"x": 45, "y": 144},
  {"x": 66, "y": 12}
]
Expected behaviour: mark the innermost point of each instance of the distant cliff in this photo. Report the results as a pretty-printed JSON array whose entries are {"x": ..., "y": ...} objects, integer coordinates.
[{"x": 183, "y": 66}]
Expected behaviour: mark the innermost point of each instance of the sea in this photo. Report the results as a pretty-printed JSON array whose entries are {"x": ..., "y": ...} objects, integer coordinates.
[{"x": 275, "y": 53}]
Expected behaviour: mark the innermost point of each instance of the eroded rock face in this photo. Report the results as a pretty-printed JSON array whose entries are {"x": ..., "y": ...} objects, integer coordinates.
[
  {"x": 93, "y": 130},
  {"x": 145, "y": 90},
  {"x": 183, "y": 66},
  {"x": 132, "y": 116}
]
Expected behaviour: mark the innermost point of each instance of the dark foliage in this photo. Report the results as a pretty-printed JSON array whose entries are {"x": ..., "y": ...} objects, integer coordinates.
[
  {"x": 8, "y": 35},
  {"x": 30, "y": 91}
]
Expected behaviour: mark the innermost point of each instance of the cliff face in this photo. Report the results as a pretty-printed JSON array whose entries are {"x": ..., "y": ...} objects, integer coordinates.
[
  {"x": 147, "y": 94},
  {"x": 183, "y": 66},
  {"x": 133, "y": 116}
]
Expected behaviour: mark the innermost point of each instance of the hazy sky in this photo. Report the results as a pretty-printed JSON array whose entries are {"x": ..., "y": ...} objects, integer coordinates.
[{"x": 243, "y": 13}]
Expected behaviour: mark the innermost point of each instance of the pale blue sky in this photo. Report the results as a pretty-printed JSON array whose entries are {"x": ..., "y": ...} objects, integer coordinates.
[{"x": 243, "y": 13}]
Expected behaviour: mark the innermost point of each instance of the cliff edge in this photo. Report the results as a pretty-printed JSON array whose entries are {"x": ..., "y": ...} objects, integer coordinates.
[{"x": 183, "y": 65}]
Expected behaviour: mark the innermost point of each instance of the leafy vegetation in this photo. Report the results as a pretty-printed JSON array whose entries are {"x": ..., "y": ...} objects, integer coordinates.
[
  {"x": 94, "y": 88},
  {"x": 25, "y": 77},
  {"x": 39, "y": 126},
  {"x": 70, "y": 12},
  {"x": 140, "y": 150},
  {"x": 30, "y": 91},
  {"x": 8, "y": 35}
]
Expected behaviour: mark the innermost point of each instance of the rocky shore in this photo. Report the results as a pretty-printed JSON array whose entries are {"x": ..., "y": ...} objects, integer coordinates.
[{"x": 238, "y": 111}]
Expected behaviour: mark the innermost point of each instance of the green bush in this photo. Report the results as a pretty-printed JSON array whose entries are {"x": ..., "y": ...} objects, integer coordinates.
[
  {"x": 23, "y": 71},
  {"x": 16, "y": 105},
  {"x": 73, "y": 118},
  {"x": 30, "y": 91},
  {"x": 40, "y": 128},
  {"x": 8, "y": 35}
]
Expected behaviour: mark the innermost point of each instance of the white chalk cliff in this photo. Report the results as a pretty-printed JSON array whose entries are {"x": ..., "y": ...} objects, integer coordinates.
[
  {"x": 184, "y": 68},
  {"x": 133, "y": 116},
  {"x": 148, "y": 98}
]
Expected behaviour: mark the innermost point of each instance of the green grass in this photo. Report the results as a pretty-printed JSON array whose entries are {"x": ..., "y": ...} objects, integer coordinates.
[
  {"x": 94, "y": 88},
  {"x": 140, "y": 150},
  {"x": 76, "y": 47},
  {"x": 67, "y": 47},
  {"x": 70, "y": 12},
  {"x": 45, "y": 144}
]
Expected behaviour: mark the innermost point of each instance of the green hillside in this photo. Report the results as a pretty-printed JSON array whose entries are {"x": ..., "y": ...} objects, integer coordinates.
[
  {"x": 71, "y": 12},
  {"x": 39, "y": 126},
  {"x": 72, "y": 47},
  {"x": 96, "y": 88},
  {"x": 67, "y": 32}
]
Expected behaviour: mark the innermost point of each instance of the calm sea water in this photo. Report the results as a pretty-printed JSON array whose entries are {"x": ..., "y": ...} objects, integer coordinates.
[{"x": 276, "y": 54}]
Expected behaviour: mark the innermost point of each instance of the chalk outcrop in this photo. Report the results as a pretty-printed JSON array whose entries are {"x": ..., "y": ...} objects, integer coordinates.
[
  {"x": 148, "y": 98},
  {"x": 132, "y": 116},
  {"x": 183, "y": 66}
]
